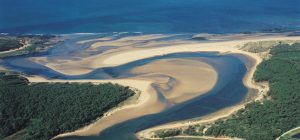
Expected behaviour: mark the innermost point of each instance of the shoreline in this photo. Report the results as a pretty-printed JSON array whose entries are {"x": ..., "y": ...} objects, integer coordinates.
[
  {"x": 143, "y": 86},
  {"x": 17, "y": 49},
  {"x": 148, "y": 96},
  {"x": 223, "y": 113},
  {"x": 120, "y": 113},
  {"x": 123, "y": 55},
  {"x": 116, "y": 59}
]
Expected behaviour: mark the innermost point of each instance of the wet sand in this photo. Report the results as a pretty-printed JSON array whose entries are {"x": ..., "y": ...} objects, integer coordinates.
[
  {"x": 262, "y": 89},
  {"x": 188, "y": 75},
  {"x": 128, "y": 41},
  {"x": 124, "y": 55},
  {"x": 155, "y": 73},
  {"x": 191, "y": 78},
  {"x": 147, "y": 97}
]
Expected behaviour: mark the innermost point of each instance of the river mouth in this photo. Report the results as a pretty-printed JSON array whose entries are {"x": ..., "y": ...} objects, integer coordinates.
[{"x": 227, "y": 91}]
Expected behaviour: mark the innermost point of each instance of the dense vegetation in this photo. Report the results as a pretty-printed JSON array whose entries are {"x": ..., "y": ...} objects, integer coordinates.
[
  {"x": 291, "y": 135},
  {"x": 43, "y": 110},
  {"x": 271, "y": 118},
  {"x": 9, "y": 44},
  {"x": 35, "y": 43},
  {"x": 193, "y": 130},
  {"x": 168, "y": 133}
]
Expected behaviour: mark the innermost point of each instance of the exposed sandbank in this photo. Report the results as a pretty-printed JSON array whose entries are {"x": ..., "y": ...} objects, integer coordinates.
[
  {"x": 124, "y": 55},
  {"x": 149, "y": 97},
  {"x": 188, "y": 73},
  {"x": 80, "y": 62},
  {"x": 126, "y": 41},
  {"x": 191, "y": 77},
  {"x": 248, "y": 81},
  {"x": 222, "y": 47}
]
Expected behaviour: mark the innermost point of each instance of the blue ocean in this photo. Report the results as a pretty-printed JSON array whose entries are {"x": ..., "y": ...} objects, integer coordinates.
[{"x": 148, "y": 16}]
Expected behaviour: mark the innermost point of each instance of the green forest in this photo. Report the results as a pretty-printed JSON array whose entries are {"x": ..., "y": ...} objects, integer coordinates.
[
  {"x": 269, "y": 119},
  {"x": 43, "y": 110}
]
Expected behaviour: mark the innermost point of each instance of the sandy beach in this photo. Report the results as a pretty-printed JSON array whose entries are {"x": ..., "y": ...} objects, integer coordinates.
[
  {"x": 153, "y": 73},
  {"x": 247, "y": 80},
  {"x": 123, "y": 55},
  {"x": 147, "y": 97},
  {"x": 179, "y": 84},
  {"x": 187, "y": 77}
]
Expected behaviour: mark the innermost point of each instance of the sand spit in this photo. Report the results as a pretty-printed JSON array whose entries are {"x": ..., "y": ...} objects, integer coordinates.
[
  {"x": 120, "y": 58},
  {"x": 80, "y": 61},
  {"x": 148, "y": 75},
  {"x": 123, "y": 55},
  {"x": 149, "y": 97}
]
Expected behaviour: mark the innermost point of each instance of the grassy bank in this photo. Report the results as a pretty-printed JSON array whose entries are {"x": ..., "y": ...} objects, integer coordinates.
[{"x": 43, "y": 110}]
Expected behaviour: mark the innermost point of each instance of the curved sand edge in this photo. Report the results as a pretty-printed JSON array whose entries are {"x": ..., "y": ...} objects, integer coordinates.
[
  {"x": 26, "y": 44},
  {"x": 222, "y": 47},
  {"x": 248, "y": 82},
  {"x": 123, "y": 57},
  {"x": 287, "y": 132},
  {"x": 121, "y": 113},
  {"x": 184, "y": 76},
  {"x": 143, "y": 87},
  {"x": 128, "y": 54}
]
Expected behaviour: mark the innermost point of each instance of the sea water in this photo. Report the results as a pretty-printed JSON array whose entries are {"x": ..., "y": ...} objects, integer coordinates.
[{"x": 148, "y": 16}]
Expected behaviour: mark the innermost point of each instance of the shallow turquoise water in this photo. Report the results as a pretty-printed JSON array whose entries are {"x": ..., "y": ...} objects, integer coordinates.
[{"x": 148, "y": 16}]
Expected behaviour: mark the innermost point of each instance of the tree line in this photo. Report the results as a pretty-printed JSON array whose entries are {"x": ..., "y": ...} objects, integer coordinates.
[
  {"x": 269, "y": 119},
  {"x": 43, "y": 110}
]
